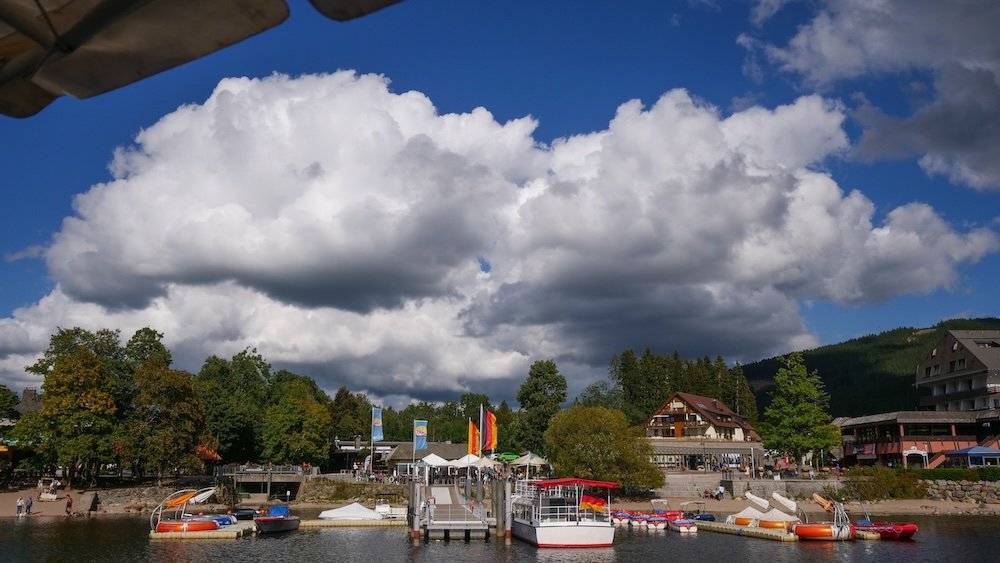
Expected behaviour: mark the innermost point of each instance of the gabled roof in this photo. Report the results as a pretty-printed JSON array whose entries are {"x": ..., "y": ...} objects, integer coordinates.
[
  {"x": 983, "y": 344},
  {"x": 712, "y": 410}
]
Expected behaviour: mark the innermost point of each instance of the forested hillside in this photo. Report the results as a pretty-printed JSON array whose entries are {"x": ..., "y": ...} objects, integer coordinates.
[{"x": 871, "y": 374}]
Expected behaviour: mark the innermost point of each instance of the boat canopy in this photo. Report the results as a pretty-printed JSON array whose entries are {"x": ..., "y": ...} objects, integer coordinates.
[{"x": 573, "y": 481}]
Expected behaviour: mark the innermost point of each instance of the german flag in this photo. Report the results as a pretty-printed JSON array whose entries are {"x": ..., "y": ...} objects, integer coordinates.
[{"x": 588, "y": 502}]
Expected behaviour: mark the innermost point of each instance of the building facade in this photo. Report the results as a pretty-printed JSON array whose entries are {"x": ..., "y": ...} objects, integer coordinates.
[
  {"x": 692, "y": 432},
  {"x": 962, "y": 372},
  {"x": 913, "y": 438}
]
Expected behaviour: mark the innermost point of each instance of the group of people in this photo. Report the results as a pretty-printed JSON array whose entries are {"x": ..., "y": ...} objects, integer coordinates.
[{"x": 23, "y": 506}]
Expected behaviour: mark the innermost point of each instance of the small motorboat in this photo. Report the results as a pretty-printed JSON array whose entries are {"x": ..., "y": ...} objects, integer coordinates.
[
  {"x": 244, "y": 513},
  {"x": 695, "y": 510},
  {"x": 887, "y": 530},
  {"x": 187, "y": 525},
  {"x": 277, "y": 520},
  {"x": 684, "y": 526}
]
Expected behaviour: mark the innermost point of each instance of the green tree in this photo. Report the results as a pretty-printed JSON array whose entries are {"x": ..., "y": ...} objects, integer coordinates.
[
  {"x": 168, "y": 422},
  {"x": 797, "y": 420},
  {"x": 351, "y": 415},
  {"x": 599, "y": 443},
  {"x": 600, "y": 394},
  {"x": 540, "y": 397},
  {"x": 8, "y": 403},
  {"x": 298, "y": 427},
  {"x": 79, "y": 412},
  {"x": 235, "y": 394}
]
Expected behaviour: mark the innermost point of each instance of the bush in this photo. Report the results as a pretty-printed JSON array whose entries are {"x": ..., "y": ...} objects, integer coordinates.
[
  {"x": 948, "y": 474},
  {"x": 879, "y": 483},
  {"x": 991, "y": 473}
]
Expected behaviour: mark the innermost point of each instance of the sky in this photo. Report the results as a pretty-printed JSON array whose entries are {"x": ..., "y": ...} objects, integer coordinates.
[{"x": 422, "y": 202}]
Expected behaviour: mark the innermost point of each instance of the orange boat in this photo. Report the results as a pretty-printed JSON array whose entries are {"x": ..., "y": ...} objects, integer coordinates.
[
  {"x": 186, "y": 525},
  {"x": 828, "y": 531}
]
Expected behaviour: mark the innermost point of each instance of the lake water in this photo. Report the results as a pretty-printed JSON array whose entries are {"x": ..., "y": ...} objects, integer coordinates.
[{"x": 125, "y": 539}]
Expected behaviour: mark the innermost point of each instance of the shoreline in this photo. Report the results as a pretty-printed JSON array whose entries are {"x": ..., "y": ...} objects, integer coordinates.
[{"x": 907, "y": 507}]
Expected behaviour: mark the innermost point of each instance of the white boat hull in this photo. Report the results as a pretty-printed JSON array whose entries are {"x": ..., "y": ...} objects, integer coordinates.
[{"x": 566, "y": 534}]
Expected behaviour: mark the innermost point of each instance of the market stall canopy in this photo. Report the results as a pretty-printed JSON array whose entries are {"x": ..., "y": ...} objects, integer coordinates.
[
  {"x": 464, "y": 461},
  {"x": 353, "y": 511},
  {"x": 435, "y": 460},
  {"x": 531, "y": 459},
  {"x": 82, "y": 48}
]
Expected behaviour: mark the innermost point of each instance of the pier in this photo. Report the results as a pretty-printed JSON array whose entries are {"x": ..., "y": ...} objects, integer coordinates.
[{"x": 442, "y": 512}]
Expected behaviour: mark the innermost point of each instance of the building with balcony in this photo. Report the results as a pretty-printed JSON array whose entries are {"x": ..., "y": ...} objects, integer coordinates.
[
  {"x": 962, "y": 372},
  {"x": 914, "y": 438},
  {"x": 695, "y": 432}
]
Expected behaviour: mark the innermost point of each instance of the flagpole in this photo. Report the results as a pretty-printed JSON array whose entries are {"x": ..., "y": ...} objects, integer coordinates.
[{"x": 371, "y": 429}]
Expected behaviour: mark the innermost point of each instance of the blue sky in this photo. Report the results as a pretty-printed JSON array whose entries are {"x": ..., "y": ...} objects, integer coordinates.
[{"x": 790, "y": 174}]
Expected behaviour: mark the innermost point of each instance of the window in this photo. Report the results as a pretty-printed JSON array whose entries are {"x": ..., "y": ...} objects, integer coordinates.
[
  {"x": 934, "y": 352},
  {"x": 961, "y": 363},
  {"x": 954, "y": 347},
  {"x": 936, "y": 369},
  {"x": 927, "y": 371},
  {"x": 951, "y": 366}
]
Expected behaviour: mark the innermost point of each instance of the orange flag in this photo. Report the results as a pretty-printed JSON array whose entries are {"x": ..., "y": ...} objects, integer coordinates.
[
  {"x": 473, "y": 438},
  {"x": 489, "y": 431}
]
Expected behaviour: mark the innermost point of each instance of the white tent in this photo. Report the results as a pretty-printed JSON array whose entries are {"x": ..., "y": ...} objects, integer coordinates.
[
  {"x": 486, "y": 462},
  {"x": 748, "y": 512},
  {"x": 531, "y": 459},
  {"x": 467, "y": 459},
  {"x": 435, "y": 460},
  {"x": 353, "y": 511},
  {"x": 775, "y": 515}
]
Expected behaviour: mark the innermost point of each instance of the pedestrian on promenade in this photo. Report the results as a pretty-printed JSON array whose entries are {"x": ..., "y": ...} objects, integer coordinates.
[
  {"x": 69, "y": 505},
  {"x": 27, "y": 506},
  {"x": 20, "y": 506}
]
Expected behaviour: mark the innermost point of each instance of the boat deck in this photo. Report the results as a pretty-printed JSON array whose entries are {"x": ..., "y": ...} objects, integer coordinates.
[{"x": 238, "y": 530}]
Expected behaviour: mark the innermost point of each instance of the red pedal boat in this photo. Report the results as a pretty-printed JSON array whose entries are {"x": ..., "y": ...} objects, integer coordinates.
[{"x": 888, "y": 530}]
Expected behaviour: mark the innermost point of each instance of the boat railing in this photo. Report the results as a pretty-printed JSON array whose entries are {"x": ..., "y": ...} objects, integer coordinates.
[{"x": 569, "y": 513}]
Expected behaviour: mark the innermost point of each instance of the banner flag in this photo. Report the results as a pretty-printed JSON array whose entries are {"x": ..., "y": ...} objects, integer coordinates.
[
  {"x": 588, "y": 502},
  {"x": 419, "y": 435},
  {"x": 377, "y": 425},
  {"x": 473, "y": 438},
  {"x": 489, "y": 431}
]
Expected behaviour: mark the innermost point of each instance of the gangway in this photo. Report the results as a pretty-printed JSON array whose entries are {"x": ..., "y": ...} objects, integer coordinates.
[{"x": 444, "y": 513}]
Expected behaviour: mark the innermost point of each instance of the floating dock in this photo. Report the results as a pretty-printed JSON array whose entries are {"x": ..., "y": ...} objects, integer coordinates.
[
  {"x": 383, "y": 523},
  {"x": 750, "y": 532},
  {"x": 232, "y": 532}
]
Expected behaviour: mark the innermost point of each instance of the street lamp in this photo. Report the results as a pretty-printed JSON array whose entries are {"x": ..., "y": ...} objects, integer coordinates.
[{"x": 704, "y": 462}]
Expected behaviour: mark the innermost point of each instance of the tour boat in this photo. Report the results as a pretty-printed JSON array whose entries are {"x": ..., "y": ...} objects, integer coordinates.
[
  {"x": 563, "y": 513},
  {"x": 887, "y": 530},
  {"x": 684, "y": 526},
  {"x": 277, "y": 520}
]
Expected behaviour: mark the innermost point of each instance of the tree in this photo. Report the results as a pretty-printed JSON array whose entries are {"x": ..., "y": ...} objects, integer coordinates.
[
  {"x": 169, "y": 419},
  {"x": 540, "y": 397},
  {"x": 600, "y": 394},
  {"x": 797, "y": 420},
  {"x": 598, "y": 443},
  {"x": 79, "y": 412},
  {"x": 235, "y": 394},
  {"x": 298, "y": 427},
  {"x": 8, "y": 403}
]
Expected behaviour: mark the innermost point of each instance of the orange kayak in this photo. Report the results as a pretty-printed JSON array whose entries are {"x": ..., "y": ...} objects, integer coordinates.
[{"x": 186, "y": 525}]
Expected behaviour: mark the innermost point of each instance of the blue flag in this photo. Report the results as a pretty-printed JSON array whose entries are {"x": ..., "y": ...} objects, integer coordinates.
[
  {"x": 419, "y": 435},
  {"x": 377, "y": 425}
]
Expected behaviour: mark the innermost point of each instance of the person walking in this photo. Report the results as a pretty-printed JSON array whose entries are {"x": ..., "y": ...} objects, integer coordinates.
[
  {"x": 69, "y": 505},
  {"x": 27, "y": 506},
  {"x": 20, "y": 506}
]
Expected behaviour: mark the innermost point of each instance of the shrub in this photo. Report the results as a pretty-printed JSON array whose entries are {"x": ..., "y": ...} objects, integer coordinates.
[
  {"x": 991, "y": 473},
  {"x": 948, "y": 474},
  {"x": 879, "y": 483}
]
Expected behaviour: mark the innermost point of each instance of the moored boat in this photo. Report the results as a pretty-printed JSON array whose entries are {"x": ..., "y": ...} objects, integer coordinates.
[
  {"x": 186, "y": 525},
  {"x": 656, "y": 523},
  {"x": 887, "y": 530},
  {"x": 557, "y": 513},
  {"x": 829, "y": 531},
  {"x": 277, "y": 520},
  {"x": 684, "y": 526}
]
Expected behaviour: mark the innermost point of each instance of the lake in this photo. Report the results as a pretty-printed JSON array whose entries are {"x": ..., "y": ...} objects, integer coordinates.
[{"x": 125, "y": 539}]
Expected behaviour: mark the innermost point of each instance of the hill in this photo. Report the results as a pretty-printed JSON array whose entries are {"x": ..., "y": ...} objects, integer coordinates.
[{"x": 867, "y": 375}]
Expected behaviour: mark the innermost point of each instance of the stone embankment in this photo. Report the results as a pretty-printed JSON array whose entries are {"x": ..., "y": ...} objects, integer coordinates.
[{"x": 980, "y": 492}]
